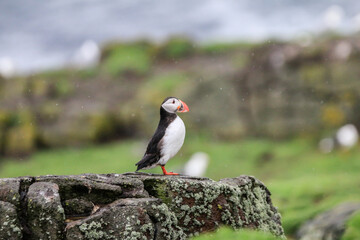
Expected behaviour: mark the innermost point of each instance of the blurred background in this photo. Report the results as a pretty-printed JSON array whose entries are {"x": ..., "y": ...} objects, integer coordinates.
[{"x": 272, "y": 86}]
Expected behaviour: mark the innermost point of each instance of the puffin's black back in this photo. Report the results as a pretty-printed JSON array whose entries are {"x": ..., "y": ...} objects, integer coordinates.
[{"x": 153, "y": 151}]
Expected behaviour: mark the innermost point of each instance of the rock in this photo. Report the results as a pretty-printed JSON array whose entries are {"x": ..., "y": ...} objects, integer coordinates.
[
  {"x": 138, "y": 206},
  {"x": 79, "y": 186},
  {"x": 201, "y": 204},
  {"x": 131, "y": 187},
  {"x": 329, "y": 225},
  {"x": 78, "y": 207},
  {"x": 9, "y": 190},
  {"x": 45, "y": 215},
  {"x": 146, "y": 218},
  {"x": 10, "y": 227}
]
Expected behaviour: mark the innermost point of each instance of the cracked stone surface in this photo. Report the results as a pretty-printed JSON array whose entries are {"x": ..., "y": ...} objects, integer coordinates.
[{"x": 133, "y": 206}]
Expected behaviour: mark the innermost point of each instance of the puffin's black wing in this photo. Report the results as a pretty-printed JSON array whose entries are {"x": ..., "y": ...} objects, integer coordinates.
[{"x": 153, "y": 151}]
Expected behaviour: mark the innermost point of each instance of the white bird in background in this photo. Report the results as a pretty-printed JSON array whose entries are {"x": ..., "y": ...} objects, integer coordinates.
[
  {"x": 87, "y": 55},
  {"x": 356, "y": 22},
  {"x": 7, "y": 67},
  {"x": 197, "y": 164},
  {"x": 333, "y": 16},
  {"x": 347, "y": 136}
]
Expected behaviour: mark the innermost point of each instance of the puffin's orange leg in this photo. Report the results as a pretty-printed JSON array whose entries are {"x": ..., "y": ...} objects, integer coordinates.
[{"x": 167, "y": 173}]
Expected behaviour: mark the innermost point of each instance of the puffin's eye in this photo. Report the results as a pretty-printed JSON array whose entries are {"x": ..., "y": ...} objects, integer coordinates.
[{"x": 173, "y": 101}]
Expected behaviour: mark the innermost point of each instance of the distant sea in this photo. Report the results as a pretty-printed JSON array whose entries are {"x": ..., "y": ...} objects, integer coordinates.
[{"x": 39, "y": 34}]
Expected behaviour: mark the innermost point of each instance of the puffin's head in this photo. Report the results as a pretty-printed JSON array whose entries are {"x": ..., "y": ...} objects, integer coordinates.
[{"x": 173, "y": 105}]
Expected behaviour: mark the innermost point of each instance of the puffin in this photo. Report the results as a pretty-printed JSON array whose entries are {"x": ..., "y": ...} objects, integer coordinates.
[{"x": 168, "y": 137}]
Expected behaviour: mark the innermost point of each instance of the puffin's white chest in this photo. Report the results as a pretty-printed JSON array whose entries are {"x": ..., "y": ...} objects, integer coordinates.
[{"x": 172, "y": 140}]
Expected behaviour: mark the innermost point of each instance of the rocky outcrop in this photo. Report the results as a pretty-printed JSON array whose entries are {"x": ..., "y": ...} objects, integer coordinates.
[
  {"x": 329, "y": 225},
  {"x": 131, "y": 206}
]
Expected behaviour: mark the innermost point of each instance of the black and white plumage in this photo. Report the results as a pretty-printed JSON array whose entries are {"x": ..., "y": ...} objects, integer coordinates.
[{"x": 168, "y": 137}]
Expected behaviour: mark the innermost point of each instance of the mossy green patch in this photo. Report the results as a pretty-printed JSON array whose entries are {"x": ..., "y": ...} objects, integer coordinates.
[
  {"x": 158, "y": 87},
  {"x": 127, "y": 59},
  {"x": 157, "y": 189},
  {"x": 222, "y": 48},
  {"x": 225, "y": 233},
  {"x": 352, "y": 231},
  {"x": 175, "y": 48}
]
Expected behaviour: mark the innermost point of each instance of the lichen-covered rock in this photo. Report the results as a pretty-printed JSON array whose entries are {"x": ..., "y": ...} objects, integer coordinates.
[
  {"x": 201, "y": 204},
  {"x": 329, "y": 225},
  {"x": 10, "y": 227},
  {"x": 137, "y": 206},
  {"x": 9, "y": 190},
  {"x": 129, "y": 219},
  {"x": 45, "y": 215}
]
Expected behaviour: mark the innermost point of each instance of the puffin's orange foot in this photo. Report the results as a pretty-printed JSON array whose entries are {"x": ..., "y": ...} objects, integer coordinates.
[{"x": 167, "y": 173}]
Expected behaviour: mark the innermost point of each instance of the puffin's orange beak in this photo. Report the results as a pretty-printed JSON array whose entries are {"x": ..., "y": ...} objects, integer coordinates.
[{"x": 183, "y": 107}]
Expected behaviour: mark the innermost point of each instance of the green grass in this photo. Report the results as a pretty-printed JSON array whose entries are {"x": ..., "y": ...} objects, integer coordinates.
[
  {"x": 353, "y": 228},
  {"x": 227, "y": 233},
  {"x": 100, "y": 159},
  {"x": 176, "y": 48},
  {"x": 127, "y": 59},
  {"x": 218, "y": 47},
  {"x": 303, "y": 181}
]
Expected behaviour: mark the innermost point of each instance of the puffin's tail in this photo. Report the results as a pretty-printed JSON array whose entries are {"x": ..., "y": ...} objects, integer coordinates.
[
  {"x": 147, "y": 161},
  {"x": 141, "y": 164},
  {"x": 138, "y": 167}
]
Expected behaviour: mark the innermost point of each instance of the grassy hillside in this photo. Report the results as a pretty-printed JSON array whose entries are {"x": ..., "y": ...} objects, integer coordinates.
[
  {"x": 303, "y": 181},
  {"x": 271, "y": 89}
]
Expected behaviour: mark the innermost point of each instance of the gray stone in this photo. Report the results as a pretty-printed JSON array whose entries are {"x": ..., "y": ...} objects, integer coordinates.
[
  {"x": 131, "y": 187},
  {"x": 10, "y": 227},
  {"x": 329, "y": 225},
  {"x": 139, "y": 206},
  {"x": 45, "y": 214},
  {"x": 9, "y": 190},
  {"x": 78, "y": 207},
  {"x": 99, "y": 192},
  {"x": 128, "y": 219}
]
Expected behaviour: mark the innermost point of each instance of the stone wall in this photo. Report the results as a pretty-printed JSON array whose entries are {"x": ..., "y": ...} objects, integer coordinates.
[{"x": 131, "y": 206}]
